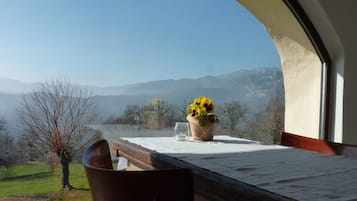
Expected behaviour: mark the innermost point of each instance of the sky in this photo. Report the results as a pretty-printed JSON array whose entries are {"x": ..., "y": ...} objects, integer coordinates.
[{"x": 119, "y": 42}]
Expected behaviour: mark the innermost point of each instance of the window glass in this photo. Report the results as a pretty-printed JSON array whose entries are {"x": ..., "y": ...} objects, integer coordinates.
[{"x": 144, "y": 63}]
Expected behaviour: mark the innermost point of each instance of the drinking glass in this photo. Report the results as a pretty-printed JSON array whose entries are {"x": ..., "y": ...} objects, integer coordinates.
[{"x": 181, "y": 131}]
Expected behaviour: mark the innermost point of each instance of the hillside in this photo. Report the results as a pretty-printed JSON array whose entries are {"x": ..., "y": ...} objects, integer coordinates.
[{"x": 253, "y": 88}]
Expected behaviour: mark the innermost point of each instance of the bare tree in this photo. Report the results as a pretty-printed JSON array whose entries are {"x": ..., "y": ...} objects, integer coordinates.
[
  {"x": 230, "y": 114},
  {"x": 131, "y": 115},
  {"x": 7, "y": 148},
  {"x": 268, "y": 124},
  {"x": 182, "y": 110},
  {"x": 154, "y": 114},
  {"x": 172, "y": 115},
  {"x": 56, "y": 115},
  {"x": 275, "y": 113},
  {"x": 2, "y": 126}
]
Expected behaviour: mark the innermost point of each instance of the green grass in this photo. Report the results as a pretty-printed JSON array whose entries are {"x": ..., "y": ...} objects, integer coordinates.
[{"x": 37, "y": 179}]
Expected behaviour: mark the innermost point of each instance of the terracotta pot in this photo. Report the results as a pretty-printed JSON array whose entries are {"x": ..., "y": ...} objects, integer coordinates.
[{"x": 201, "y": 133}]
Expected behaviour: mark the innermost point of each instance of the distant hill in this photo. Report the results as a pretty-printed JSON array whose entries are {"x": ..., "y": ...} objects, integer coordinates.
[
  {"x": 15, "y": 87},
  {"x": 252, "y": 88}
]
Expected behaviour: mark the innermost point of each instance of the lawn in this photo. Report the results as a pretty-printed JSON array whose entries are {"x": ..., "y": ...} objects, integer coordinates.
[{"x": 38, "y": 179}]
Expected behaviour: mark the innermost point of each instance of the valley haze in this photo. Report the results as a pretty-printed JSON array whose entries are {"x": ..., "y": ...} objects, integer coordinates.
[{"x": 253, "y": 88}]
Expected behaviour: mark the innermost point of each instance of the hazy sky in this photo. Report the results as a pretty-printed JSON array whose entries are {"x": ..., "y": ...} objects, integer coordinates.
[{"x": 105, "y": 43}]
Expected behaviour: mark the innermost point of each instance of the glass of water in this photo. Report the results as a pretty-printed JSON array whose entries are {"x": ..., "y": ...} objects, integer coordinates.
[{"x": 181, "y": 131}]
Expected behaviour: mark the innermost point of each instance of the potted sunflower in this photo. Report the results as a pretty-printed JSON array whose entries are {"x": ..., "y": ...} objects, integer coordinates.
[{"x": 202, "y": 118}]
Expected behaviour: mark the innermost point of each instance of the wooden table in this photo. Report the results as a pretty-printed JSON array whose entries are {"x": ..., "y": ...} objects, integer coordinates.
[{"x": 234, "y": 168}]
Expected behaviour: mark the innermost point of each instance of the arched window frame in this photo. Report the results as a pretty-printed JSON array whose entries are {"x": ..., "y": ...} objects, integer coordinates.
[{"x": 322, "y": 52}]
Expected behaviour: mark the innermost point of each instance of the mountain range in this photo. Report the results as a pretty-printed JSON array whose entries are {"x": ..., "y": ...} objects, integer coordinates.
[{"x": 252, "y": 88}]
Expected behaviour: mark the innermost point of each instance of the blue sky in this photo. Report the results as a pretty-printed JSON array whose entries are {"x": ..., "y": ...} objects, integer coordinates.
[{"x": 110, "y": 43}]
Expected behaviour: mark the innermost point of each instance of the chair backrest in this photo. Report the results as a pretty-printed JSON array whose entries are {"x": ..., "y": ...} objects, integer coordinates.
[
  {"x": 322, "y": 146},
  {"x": 107, "y": 184}
]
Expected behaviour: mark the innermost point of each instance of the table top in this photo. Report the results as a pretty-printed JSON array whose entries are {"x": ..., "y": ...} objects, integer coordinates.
[{"x": 294, "y": 174}]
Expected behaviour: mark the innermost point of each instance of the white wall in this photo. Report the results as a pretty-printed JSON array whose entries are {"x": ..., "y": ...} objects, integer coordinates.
[
  {"x": 301, "y": 66},
  {"x": 336, "y": 23}
]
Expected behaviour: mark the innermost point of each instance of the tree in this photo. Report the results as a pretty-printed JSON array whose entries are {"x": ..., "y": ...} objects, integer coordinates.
[
  {"x": 7, "y": 146},
  {"x": 181, "y": 110},
  {"x": 268, "y": 124},
  {"x": 131, "y": 115},
  {"x": 172, "y": 115},
  {"x": 2, "y": 126},
  {"x": 275, "y": 113},
  {"x": 56, "y": 115},
  {"x": 230, "y": 114},
  {"x": 154, "y": 114}
]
